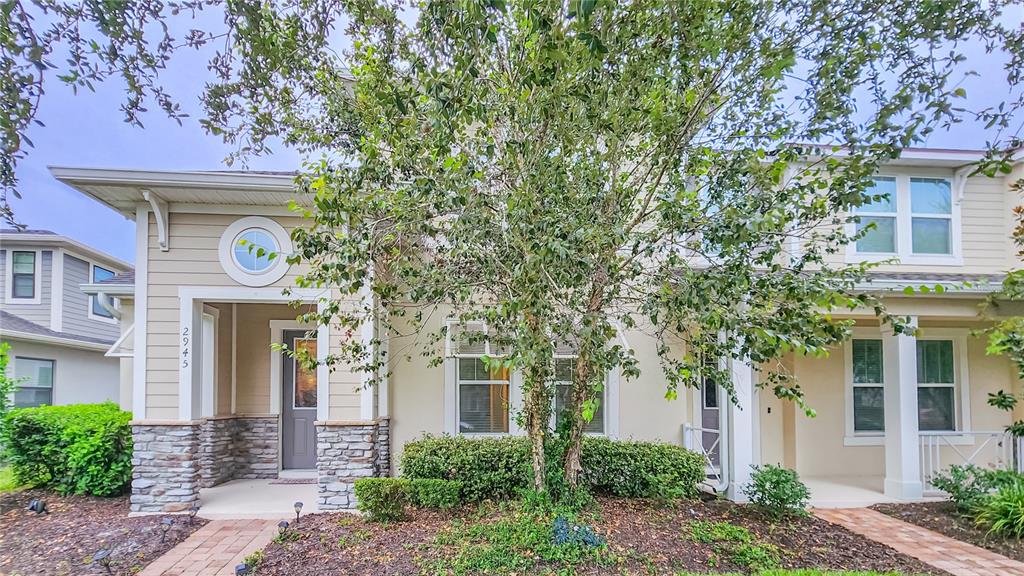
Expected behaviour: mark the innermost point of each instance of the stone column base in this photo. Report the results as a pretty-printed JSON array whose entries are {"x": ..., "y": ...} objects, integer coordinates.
[
  {"x": 165, "y": 467},
  {"x": 346, "y": 452}
]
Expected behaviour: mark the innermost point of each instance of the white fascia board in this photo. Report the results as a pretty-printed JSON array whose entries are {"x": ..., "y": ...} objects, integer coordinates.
[
  {"x": 55, "y": 340},
  {"x": 952, "y": 288},
  {"x": 109, "y": 289},
  {"x": 188, "y": 179}
]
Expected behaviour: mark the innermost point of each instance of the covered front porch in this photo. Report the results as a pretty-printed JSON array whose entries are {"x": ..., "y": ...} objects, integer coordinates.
[{"x": 891, "y": 412}]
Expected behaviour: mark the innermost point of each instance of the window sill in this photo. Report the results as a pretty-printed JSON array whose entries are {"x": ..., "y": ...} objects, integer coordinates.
[
  {"x": 864, "y": 440},
  {"x": 957, "y": 440},
  {"x": 907, "y": 260}
]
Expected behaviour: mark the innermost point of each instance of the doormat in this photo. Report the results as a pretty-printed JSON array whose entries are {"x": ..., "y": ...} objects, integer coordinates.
[{"x": 294, "y": 481}]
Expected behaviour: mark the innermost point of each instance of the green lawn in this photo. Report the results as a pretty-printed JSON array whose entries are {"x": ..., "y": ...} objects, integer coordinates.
[{"x": 7, "y": 481}]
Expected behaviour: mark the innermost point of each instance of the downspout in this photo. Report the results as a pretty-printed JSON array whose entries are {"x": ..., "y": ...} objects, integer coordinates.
[{"x": 107, "y": 304}]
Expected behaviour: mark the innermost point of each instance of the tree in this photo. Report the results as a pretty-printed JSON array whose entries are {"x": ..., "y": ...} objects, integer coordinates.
[{"x": 564, "y": 172}]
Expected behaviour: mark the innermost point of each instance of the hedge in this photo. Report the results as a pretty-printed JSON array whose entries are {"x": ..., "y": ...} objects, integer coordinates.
[
  {"x": 500, "y": 467},
  {"x": 76, "y": 449},
  {"x": 385, "y": 499}
]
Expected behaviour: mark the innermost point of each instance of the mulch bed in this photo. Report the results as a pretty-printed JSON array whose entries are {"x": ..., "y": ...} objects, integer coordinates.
[
  {"x": 63, "y": 542},
  {"x": 645, "y": 537},
  {"x": 942, "y": 517}
]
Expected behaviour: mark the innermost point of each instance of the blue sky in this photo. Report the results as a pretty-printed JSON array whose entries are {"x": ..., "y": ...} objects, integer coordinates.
[{"x": 87, "y": 130}]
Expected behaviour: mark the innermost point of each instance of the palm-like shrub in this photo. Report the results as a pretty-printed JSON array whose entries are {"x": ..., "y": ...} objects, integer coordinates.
[{"x": 1003, "y": 512}]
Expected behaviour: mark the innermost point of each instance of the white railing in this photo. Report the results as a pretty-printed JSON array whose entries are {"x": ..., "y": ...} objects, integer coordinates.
[
  {"x": 996, "y": 450},
  {"x": 693, "y": 439}
]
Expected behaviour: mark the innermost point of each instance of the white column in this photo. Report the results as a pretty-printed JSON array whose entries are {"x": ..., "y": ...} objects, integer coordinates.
[
  {"x": 190, "y": 374},
  {"x": 739, "y": 428},
  {"x": 902, "y": 450}
]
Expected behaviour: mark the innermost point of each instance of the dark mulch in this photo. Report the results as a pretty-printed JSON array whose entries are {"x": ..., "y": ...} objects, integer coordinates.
[
  {"x": 942, "y": 517},
  {"x": 63, "y": 542},
  {"x": 645, "y": 537}
]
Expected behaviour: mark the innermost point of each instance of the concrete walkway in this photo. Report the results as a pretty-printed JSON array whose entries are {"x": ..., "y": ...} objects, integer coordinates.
[
  {"x": 214, "y": 549},
  {"x": 256, "y": 499},
  {"x": 953, "y": 556}
]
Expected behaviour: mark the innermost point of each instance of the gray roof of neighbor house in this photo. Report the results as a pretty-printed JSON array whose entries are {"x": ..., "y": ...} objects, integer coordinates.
[
  {"x": 123, "y": 278},
  {"x": 47, "y": 238},
  {"x": 15, "y": 326}
]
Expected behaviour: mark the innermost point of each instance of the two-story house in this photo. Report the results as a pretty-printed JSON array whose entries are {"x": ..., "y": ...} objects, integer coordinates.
[
  {"x": 61, "y": 337},
  {"x": 215, "y": 404}
]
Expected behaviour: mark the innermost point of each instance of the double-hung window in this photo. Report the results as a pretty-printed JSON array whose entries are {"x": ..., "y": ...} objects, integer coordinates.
[
  {"x": 910, "y": 218},
  {"x": 564, "y": 367},
  {"x": 482, "y": 388},
  {"x": 23, "y": 274},
  {"x": 939, "y": 357},
  {"x": 868, "y": 387},
  {"x": 100, "y": 274},
  {"x": 936, "y": 385},
  {"x": 35, "y": 387}
]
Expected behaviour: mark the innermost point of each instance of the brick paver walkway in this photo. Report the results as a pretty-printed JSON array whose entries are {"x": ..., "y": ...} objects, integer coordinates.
[
  {"x": 214, "y": 549},
  {"x": 953, "y": 556}
]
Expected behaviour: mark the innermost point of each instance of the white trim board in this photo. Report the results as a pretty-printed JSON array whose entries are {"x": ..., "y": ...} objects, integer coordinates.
[
  {"x": 141, "y": 312},
  {"x": 37, "y": 275}
]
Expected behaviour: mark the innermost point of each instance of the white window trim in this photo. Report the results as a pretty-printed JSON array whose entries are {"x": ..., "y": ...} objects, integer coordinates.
[
  {"x": 904, "y": 217},
  {"x": 9, "y": 277},
  {"x": 962, "y": 399},
  {"x": 92, "y": 297},
  {"x": 226, "y": 251},
  {"x": 605, "y": 404},
  {"x": 451, "y": 393},
  {"x": 13, "y": 367}
]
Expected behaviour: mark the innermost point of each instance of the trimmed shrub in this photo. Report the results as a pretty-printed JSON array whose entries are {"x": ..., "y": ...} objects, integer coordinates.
[
  {"x": 777, "y": 491},
  {"x": 500, "y": 467},
  {"x": 486, "y": 467},
  {"x": 1003, "y": 512},
  {"x": 77, "y": 449},
  {"x": 385, "y": 499},
  {"x": 382, "y": 499},
  {"x": 968, "y": 485},
  {"x": 641, "y": 469},
  {"x": 435, "y": 493}
]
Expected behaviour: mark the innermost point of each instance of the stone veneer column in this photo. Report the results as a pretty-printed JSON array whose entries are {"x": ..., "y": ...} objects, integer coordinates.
[
  {"x": 344, "y": 452},
  {"x": 165, "y": 466},
  {"x": 383, "y": 446},
  {"x": 256, "y": 447},
  {"x": 216, "y": 451}
]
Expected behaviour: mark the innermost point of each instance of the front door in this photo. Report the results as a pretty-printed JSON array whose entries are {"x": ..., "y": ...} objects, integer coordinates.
[
  {"x": 298, "y": 405},
  {"x": 711, "y": 420}
]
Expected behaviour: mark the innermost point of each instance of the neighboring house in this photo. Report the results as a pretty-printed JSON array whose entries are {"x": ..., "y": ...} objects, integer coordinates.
[
  {"x": 60, "y": 336},
  {"x": 213, "y": 402}
]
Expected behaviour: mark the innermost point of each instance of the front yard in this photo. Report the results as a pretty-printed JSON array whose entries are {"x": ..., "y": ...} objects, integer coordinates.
[
  {"x": 942, "y": 517},
  {"x": 63, "y": 541},
  {"x": 640, "y": 537}
]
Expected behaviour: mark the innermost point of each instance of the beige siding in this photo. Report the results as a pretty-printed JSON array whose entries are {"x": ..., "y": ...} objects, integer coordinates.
[
  {"x": 252, "y": 393},
  {"x": 986, "y": 224}
]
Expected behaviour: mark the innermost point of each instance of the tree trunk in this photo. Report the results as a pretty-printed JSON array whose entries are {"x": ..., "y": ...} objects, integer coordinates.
[
  {"x": 572, "y": 465},
  {"x": 537, "y": 429}
]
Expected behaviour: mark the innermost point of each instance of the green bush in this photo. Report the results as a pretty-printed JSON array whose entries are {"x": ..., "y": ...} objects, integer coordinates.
[
  {"x": 382, "y": 499},
  {"x": 500, "y": 467},
  {"x": 385, "y": 499},
  {"x": 777, "y": 490},
  {"x": 77, "y": 449},
  {"x": 1003, "y": 512},
  {"x": 641, "y": 469},
  {"x": 486, "y": 467},
  {"x": 968, "y": 485},
  {"x": 435, "y": 493}
]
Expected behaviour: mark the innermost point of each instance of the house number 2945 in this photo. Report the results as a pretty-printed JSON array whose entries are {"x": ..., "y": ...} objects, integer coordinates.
[{"x": 184, "y": 347}]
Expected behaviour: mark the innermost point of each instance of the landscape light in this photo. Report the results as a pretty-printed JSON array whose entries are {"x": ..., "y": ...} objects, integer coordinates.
[
  {"x": 282, "y": 526},
  {"x": 102, "y": 557},
  {"x": 241, "y": 570},
  {"x": 165, "y": 526},
  {"x": 298, "y": 510},
  {"x": 37, "y": 506}
]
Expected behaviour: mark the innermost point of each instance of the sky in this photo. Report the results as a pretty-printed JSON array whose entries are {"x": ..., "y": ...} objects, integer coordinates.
[{"x": 88, "y": 130}]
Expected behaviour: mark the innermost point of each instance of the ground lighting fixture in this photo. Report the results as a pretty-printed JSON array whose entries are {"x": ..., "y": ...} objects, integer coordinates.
[
  {"x": 165, "y": 527},
  {"x": 282, "y": 526},
  {"x": 37, "y": 506},
  {"x": 241, "y": 569},
  {"x": 298, "y": 510},
  {"x": 102, "y": 557},
  {"x": 192, "y": 514}
]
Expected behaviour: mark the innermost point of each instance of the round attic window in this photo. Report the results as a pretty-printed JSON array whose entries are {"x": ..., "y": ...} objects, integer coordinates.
[{"x": 253, "y": 251}]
